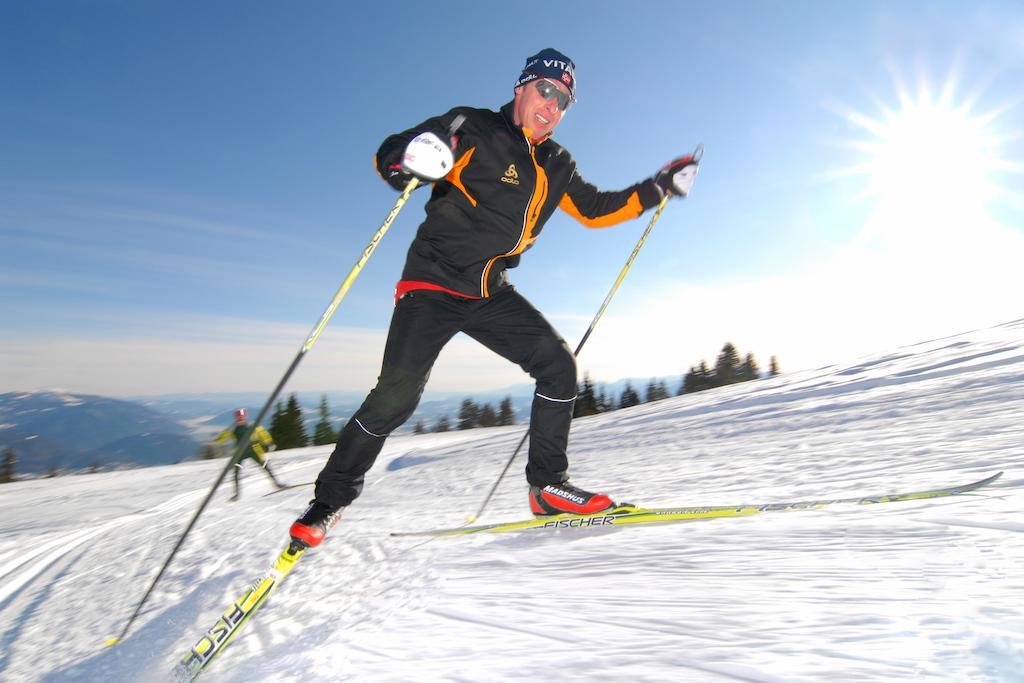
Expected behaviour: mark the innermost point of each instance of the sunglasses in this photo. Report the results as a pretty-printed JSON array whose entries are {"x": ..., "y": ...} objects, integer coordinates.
[{"x": 550, "y": 91}]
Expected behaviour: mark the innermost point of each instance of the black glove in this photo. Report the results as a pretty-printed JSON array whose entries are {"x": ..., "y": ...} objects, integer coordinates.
[
  {"x": 395, "y": 177},
  {"x": 676, "y": 178}
]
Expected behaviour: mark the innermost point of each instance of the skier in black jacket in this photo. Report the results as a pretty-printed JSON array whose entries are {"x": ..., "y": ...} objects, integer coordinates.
[{"x": 497, "y": 180}]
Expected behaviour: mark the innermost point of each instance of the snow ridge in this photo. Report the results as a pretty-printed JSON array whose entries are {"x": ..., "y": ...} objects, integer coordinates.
[{"x": 925, "y": 590}]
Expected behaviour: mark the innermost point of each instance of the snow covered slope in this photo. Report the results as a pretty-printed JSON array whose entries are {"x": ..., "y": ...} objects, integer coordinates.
[{"x": 926, "y": 590}]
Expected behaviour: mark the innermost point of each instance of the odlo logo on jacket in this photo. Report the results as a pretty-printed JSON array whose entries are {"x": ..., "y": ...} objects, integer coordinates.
[{"x": 511, "y": 176}]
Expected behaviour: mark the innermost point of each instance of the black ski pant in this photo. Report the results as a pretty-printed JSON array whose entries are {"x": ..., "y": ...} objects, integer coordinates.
[{"x": 422, "y": 323}]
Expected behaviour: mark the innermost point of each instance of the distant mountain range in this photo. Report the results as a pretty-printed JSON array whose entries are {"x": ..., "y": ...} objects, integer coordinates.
[
  {"x": 56, "y": 431},
  {"x": 208, "y": 414}
]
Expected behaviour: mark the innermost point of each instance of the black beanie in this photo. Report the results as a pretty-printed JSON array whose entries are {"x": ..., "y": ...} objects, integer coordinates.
[{"x": 550, "y": 63}]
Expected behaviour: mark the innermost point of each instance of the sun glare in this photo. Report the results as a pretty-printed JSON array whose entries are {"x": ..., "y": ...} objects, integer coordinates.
[
  {"x": 930, "y": 153},
  {"x": 931, "y": 167},
  {"x": 934, "y": 171}
]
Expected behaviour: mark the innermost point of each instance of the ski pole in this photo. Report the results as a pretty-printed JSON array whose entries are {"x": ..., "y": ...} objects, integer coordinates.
[
  {"x": 697, "y": 155},
  {"x": 306, "y": 346}
]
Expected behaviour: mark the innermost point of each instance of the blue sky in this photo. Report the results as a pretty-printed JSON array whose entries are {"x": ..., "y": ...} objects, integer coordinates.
[{"x": 184, "y": 185}]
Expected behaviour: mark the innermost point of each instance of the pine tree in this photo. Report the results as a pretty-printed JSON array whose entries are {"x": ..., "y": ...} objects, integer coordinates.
[
  {"x": 749, "y": 370},
  {"x": 689, "y": 384},
  {"x": 604, "y": 404},
  {"x": 697, "y": 379},
  {"x": 209, "y": 451},
  {"x": 488, "y": 418},
  {"x": 506, "y": 413},
  {"x": 705, "y": 378},
  {"x": 8, "y": 467},
  {"x": 294, "y": 412},
  {"x": 629, "y": 397},
  {"x": 469, "y": 414},
  {"x": 773, "y": 367},
  {"x": 323, "y": 433},
  {"x": 442, "y": 424},
  {"x": 656, "y": 390},
  {"x": 279, "y": 426},
  {"x": 586, "y": 401},
  {"x": 419, "y": 427},
  {"x": 287, "y": 427},
  {"x": 727, "y": 366}
]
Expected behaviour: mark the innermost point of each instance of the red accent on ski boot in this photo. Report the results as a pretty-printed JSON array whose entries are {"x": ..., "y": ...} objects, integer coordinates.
[
  {"x": 556, "y": 499},
  {"x": 310, "y": 529}
]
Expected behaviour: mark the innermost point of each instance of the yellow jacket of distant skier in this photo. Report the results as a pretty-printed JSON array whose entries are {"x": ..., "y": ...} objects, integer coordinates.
[{"x": 259, "y": 443}]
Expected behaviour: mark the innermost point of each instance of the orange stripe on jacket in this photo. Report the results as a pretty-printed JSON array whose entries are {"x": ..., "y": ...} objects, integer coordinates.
[
  {"x": 455, "y": 175},
  {"x": 631, "y": 210},
  {"x": 526, "y": 238},
  {"x": 540, "y": 195}
]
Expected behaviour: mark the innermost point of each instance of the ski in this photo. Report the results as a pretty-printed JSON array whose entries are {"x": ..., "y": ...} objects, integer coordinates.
[
  {"x": 289, "y": 487},
  {"x": 631, "y": 514},
  {"x": 213, "y": 642}
]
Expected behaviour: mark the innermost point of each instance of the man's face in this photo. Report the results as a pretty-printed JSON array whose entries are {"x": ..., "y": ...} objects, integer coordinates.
[{"x": 536, "y": 113}]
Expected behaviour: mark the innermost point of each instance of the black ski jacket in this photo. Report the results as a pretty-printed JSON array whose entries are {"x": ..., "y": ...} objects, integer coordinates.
[{"x": 493, "y": 204}]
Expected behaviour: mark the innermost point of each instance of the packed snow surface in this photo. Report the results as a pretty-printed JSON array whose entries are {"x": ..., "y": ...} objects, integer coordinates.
[{"x": 929, "y": 590}]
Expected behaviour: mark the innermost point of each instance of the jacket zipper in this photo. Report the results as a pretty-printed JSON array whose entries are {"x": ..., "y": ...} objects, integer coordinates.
[{"x": 522, "y": 233}]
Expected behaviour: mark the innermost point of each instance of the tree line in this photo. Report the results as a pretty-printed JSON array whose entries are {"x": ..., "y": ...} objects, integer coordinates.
[
  {"x": 728, "y": 369},
  {"x": 472, "y": 415},
  {"x": 288, "y": 428}
]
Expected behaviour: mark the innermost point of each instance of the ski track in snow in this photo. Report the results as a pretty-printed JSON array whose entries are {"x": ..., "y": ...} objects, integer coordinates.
[{"x": 924, "y": 590}]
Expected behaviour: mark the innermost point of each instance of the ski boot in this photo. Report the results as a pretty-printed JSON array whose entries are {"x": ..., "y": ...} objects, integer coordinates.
[
  {"x": 310, "y": 529},
  {"x": 557, "y": 499}
]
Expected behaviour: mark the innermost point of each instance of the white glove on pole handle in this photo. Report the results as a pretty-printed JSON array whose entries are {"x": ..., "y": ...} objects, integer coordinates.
[
  {"x": 676, "y": 178},
  {"x": 682, "y": 180},
  {"x": 428, "y": 157}
]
